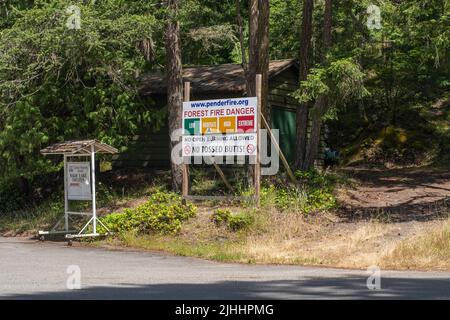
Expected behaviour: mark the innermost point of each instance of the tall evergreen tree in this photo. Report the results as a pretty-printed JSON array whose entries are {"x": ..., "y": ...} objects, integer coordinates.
[
  {"x": 174, "y": 83},
  {"x": 304, "y": 67}
]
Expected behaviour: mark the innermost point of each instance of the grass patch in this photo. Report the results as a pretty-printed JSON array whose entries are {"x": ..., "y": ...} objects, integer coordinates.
[
  {"x": 313, "y": 193},
  {"x": 114, "y": 191},
  {"x": 235, "y": 232},
  {"x": 33, "y": 218},
  {"x": 180, "y": 246},
  {"x": 424, "y": 251}
]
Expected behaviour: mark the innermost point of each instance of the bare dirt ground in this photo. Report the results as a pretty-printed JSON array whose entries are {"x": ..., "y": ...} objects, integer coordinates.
[{"x": 400, "y": 194}]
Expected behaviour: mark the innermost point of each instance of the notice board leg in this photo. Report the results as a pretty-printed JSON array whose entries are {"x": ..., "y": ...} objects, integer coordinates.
[
  {"x": 185, "y": 183},
  {"x": 94, "y": 208},
  {"x": 66, "y": 201}
]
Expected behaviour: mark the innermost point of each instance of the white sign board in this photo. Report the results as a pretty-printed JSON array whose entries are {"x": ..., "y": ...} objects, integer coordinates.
[
  {"x": 79, "y": 181},
  {"x": 223, "y": 127}
]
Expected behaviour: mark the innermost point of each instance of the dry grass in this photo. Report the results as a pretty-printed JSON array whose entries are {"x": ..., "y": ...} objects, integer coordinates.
[
  {"x": 412, "y": 245},
  {"x": 428, "y": 250},
  {"x": 316, "y": 240},
  {"x": 296, "y": 240},
  {"x": 325, "y": 239}
]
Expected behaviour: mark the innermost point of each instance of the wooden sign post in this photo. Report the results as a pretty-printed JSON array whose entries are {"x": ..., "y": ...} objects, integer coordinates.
[
  {"x": 185, "y": 184},
  {"x": 257, "y": 179}
]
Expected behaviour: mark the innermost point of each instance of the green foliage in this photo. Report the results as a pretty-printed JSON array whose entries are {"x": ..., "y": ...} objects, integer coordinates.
[
  {"x": 233, "y": 222},
  {"x": 320, "y": 199},
  {"x": 208, "y": 30},
  {"x": 342, "y": 80},
  {"x": 163, "y": 213},
  {"x": 239, "y": 221},
  {"x": 314, "y": 179},
  {"x": 30, "y": 218},
  {"x": 221, "y": 216},
  {"x": 59, "y": 84},
  {"x": 313, "y": 87},
  {"x": 405, "y": 65},
  {"x": 284, "y": 28},
  {"x": 283, "y": 197},
  {"x": 313, "y": 193},
  {"x": 320, "y": 186}
]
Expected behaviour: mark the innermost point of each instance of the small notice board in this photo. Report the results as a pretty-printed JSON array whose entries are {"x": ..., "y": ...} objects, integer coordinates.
[{"x": 79, "y": 181}]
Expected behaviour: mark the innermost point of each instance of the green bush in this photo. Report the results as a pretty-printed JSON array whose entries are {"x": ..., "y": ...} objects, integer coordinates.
[
  {"x": 234, "y": 222},
  {"x": 239, "y": 221},
  {"x": 314, "y": 179},
  {"x": 11, "y": 199},
  {"x": 163, "y": 213},
  {"x": 283, "y": 197},
  {"x": 313, "y": 193},
  {"x": 320, "y": 199},
  {"x": 221, "y": 216}
]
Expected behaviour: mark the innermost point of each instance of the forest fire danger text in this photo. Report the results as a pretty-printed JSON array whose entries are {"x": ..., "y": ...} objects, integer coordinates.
[{"x": 223, "y": 127}]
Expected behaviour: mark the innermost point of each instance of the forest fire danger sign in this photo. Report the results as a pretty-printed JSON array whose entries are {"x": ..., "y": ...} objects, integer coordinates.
[{"x": 223, "y": 127}]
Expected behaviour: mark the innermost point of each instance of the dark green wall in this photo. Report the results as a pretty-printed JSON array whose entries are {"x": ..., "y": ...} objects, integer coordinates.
[{"x": 284, "y": 121}]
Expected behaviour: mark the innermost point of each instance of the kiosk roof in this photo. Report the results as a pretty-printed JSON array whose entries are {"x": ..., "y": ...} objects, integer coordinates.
[{"x": 79, "y": 147}]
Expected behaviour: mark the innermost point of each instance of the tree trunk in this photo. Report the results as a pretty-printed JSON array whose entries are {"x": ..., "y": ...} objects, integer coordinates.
[
  {"x": 304, "y": 66},
  {"x": 240, "y": 24},
  {"x": 253, "y": 62},
  {"x": 174, "y": 84},
  {"x": 258, "y": 62},
  {"x": 314, "y": 139},
  {"x": 327, "y": 24},
  {"x": 253, "y": 56},
  {"x": 321, "y": 104},
  {"x": 263, "y": 65}
]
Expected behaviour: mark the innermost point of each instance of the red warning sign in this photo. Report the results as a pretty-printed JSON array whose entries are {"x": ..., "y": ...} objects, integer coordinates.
[{"x": 246, "y": 123}]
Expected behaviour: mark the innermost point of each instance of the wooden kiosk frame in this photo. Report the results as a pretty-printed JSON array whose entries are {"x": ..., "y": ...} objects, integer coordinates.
[{"x": 77, "y": 149}]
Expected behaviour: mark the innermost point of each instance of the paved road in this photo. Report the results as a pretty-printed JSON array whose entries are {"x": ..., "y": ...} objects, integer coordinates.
[{"x": 33, "y": 270}]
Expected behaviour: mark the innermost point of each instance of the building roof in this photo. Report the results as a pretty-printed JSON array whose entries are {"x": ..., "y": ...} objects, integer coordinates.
[
  {"x": 211, "y": 78},
  {"x": 79, "y": 147}
]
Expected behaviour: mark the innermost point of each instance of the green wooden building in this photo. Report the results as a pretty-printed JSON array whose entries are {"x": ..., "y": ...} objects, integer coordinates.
[{"x": 151, "y": 149}]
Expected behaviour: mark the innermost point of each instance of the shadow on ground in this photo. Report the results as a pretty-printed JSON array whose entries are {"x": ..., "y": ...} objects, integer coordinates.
[
  {"x": 397, "y": 195},
  {"x": 308, "y": 288}
]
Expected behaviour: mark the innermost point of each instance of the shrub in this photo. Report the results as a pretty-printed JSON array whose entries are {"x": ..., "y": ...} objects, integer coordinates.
[
  {"x": 320, "y": 199},
  {"x": 11, "y": 199},
  {"x": 221, "y": 216},
  {"x": 314, "y": 179},
  {"x": 320, "y": 187},
  {"x": 233, "y": 222},
  {"x": 282, "y": 198},
  {"x": 239, "y": 221},
  {"x": 163, "y": 213},
  {"x": 313, "y": 193}
]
